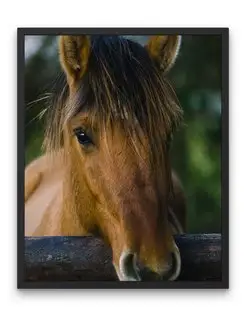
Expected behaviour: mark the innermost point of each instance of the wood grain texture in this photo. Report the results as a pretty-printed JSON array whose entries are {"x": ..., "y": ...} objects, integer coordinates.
[{"x": 88, "y": 259}]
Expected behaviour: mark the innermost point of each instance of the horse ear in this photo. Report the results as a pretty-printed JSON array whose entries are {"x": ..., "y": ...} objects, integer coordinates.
[
  {"x": 74, "y": 54},
  {"x": 164, "y": 50}
]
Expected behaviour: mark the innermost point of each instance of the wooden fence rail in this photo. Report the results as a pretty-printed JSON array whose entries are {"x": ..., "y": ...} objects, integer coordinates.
[{"x": 88, "y": 259}]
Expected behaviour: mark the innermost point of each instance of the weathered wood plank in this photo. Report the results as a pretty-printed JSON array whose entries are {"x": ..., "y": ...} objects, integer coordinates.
[{"x": 88, "y": 259}]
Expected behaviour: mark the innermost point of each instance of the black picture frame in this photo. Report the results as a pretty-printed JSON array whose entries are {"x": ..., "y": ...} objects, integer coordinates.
[{"x": 224, "y": 283}]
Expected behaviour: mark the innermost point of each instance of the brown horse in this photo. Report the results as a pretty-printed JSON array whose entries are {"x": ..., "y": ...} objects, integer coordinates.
[{"x": 106, "y": 170}]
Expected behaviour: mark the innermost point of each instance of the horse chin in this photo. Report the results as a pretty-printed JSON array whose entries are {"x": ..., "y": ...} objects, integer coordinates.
[{"x": 128, "y": 270}]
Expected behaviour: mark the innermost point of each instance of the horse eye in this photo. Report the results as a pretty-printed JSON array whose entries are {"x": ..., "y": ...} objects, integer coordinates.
[{"x": 83, "y": 138}]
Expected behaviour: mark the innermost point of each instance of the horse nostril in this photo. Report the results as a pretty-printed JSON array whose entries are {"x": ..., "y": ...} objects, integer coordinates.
[
  {"x": 128, "y": 267},
  {"x": 176, "y": 265}
]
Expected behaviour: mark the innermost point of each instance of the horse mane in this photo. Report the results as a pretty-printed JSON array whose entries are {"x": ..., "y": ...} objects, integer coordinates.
[{"x": 121, "y": 80}]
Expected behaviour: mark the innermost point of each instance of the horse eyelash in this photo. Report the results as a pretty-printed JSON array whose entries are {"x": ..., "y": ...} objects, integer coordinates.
[{"x": 77, "y": 130}]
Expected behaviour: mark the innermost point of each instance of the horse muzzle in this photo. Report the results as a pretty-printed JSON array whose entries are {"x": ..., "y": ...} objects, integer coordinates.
[{"x": 130, "y": 269}]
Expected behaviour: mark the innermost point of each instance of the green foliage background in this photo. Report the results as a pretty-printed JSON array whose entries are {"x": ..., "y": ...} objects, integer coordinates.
[{"x": 196, "y": 148}]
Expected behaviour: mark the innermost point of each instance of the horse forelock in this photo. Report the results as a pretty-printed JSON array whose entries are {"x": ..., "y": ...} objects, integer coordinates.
[{"x": 122, "y": 84}]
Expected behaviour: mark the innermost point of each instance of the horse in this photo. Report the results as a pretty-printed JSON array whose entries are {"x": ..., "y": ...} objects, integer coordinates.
[{"x": 106, "y": 168}]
